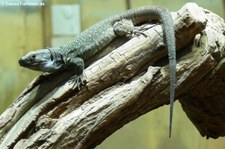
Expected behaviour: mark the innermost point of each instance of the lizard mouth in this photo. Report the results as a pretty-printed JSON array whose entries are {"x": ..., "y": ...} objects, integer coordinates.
[
  {"x": 22, "y": 62},
  {"x": 25, "y": 63}
]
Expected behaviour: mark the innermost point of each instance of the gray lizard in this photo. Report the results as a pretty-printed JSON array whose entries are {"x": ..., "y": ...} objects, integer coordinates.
[{"x": 73, "y": 55}]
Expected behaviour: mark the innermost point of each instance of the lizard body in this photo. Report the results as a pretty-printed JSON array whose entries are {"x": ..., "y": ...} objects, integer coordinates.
[{"x": 73, "y": 55}]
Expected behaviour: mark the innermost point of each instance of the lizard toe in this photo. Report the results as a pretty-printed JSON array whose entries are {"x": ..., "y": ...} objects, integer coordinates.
[{"x": 77, "y": 81}]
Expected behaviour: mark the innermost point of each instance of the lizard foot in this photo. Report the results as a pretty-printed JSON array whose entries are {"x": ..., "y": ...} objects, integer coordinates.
[
  {"x": 138, "y": 33},
  {"x": 77, "y": 81},
  {"x": 139, "y": 30}
]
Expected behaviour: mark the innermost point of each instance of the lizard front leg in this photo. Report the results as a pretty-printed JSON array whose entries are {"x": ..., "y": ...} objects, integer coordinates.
[{"x": 76, "y": 65}]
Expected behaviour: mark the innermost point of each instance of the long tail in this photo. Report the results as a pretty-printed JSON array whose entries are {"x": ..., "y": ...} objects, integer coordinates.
[
  {"x": 171, "y": 47},
  {"x": 151, "y": 12},
  {"x": 147, "y": 13}
]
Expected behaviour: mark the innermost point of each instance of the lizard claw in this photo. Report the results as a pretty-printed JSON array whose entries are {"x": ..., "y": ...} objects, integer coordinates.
[
  {"x": 138, "y": 33},
  {"x": 77, "y": 81},
  {"x": 140, "y": 30}
]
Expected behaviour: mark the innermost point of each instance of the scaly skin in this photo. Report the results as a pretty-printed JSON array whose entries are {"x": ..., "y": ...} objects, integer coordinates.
[{"x": 73, "y": 55}]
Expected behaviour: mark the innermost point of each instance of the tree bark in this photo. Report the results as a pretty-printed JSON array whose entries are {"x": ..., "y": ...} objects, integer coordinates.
[{"x": 129, "y": 80}]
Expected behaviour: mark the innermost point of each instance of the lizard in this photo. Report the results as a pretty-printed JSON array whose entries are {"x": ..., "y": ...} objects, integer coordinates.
[{"x": 73, "y": 55}]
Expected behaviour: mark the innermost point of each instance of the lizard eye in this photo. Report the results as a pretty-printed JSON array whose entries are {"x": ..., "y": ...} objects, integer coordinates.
[{"x": 32, "y": 57}]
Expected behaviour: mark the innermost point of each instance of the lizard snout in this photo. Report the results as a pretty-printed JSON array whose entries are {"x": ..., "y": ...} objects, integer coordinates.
[{"x": 22, "y": 62}]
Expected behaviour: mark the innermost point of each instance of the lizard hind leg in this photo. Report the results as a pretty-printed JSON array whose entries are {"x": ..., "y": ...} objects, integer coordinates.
[
  {"x": 126, "y": 28},
  {"x": 123, "y": 27}
]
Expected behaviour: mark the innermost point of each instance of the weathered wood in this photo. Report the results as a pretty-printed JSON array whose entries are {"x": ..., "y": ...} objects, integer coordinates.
[
  {"x": 128, "y": 82},
  {"x": 204, "y": 101}
]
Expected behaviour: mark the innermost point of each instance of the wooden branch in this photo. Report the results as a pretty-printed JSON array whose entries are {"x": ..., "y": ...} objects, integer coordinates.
[
  {"x": 203, "y": 101},
  {"x": 121, "y": 86}
]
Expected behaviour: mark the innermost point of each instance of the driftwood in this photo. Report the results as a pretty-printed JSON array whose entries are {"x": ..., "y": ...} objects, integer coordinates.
[{"x": 123, "y": 85}]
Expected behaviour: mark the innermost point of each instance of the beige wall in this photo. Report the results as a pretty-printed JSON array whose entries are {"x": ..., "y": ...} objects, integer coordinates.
[{"x": 21, "y": 31}]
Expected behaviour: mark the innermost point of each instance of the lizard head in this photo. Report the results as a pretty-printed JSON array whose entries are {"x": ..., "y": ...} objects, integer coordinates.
[{"x": 45, "y": 60}]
